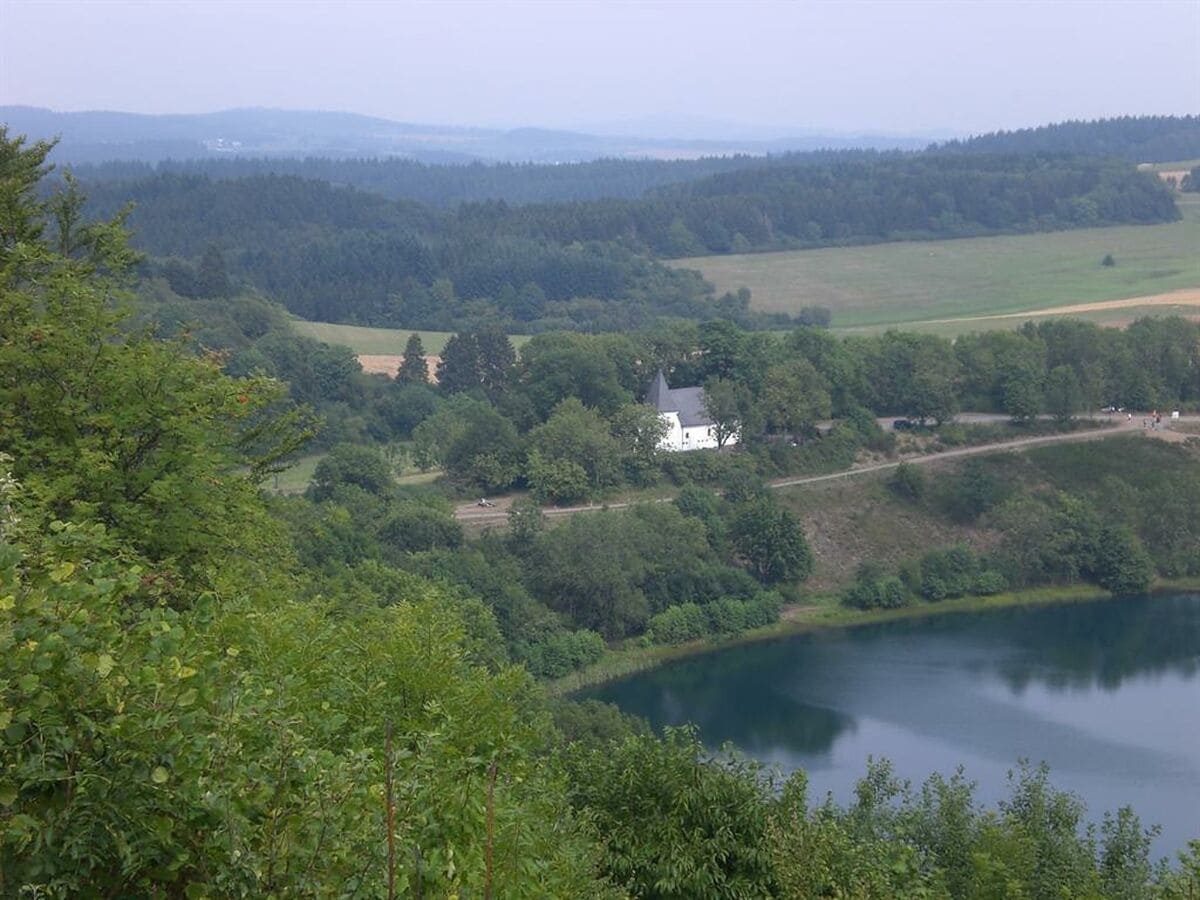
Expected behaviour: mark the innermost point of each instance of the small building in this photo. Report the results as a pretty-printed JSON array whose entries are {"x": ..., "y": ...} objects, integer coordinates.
[{"x": 689, "y": 426}]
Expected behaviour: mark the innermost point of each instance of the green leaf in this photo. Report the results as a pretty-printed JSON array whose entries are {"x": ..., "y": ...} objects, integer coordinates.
[
  {"x": 159, "y": 775},
  {"x": 187, "y": 698},
  {"x": 104, "y": 665},
  {"x": 62, "y": 572},
  {"x": 8, "y": 794}
]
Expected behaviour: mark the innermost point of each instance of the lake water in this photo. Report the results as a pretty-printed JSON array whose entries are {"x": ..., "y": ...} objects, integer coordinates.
[{"x": 1107, "y": 693}]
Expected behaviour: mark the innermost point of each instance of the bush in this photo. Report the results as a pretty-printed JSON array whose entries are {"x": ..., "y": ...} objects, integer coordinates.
[
  {"x": 726, "y": 616},
  {"x": 363, "y": 467},
  {"x": 557, "y": 480},
  {"x": 413, "y": 527},
  {"x": 679, "y": 624},
  {"x": 710, "y": 467},
  {"x": 954, "y": 569},
  {"x": 989, "y": 582},
  {"x": 869, "y": 432},
  {"x": 908, "y": 482},
  {"x": 562, "y": 653},
  {"x": 875, "y": 593}
]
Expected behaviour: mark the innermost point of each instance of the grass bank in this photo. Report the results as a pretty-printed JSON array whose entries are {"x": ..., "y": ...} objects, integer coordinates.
[{"x": 825, "y": 614}]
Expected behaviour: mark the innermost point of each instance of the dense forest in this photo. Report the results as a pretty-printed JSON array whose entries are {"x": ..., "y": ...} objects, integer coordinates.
[
  {"x": 1134, "y": 138},
  {"x": 449, "y": 185},
  {"x": 339, "y": 254},
  {"x": 205, "y": 692}
]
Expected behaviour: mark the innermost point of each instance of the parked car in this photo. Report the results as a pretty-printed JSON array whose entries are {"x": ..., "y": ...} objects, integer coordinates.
[{"x": 903, "y": 425}]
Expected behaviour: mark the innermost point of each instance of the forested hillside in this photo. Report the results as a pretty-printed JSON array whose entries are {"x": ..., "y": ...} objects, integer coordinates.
[
  {"x": 339, "y": 254},
  {"x": 1134, "y": 138}
]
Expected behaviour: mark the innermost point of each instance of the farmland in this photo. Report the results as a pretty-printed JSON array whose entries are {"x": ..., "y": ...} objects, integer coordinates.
[
  {"x": 911, "y": 282},
  {"x": 364, "y": 340}
]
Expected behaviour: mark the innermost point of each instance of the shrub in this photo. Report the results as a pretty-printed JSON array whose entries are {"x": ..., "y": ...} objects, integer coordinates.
[
  {"x": 908, "y": 482},
  {"x": 875, "y": 593},
  {"x": 562, "y": 653},
  {"x": 679, "y": 624},
  {"x": 989, "y": 582}
]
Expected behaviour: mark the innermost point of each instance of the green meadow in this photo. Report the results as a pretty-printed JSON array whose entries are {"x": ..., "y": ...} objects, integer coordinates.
[{"x": 908, "y": 282}]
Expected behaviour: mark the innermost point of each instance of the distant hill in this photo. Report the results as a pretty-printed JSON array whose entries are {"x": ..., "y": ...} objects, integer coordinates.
[
  {"x": 1135, "y": 138},
  {"x": 94, "y": 137}
]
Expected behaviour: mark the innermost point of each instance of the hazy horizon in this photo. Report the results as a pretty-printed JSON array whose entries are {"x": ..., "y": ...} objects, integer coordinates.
[{"x": 763, "y": 69}]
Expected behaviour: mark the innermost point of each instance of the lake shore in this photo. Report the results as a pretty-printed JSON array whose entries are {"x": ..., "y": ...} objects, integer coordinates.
[{"x": 826, "y": 613}]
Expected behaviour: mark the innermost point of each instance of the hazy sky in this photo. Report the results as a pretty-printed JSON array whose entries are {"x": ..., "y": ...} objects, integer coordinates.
[{"x": 893, "y": 66}]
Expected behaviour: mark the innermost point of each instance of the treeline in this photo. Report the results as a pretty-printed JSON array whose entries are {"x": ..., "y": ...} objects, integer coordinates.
[
  {"x": 1134, "y": 138},
  {"x": 338, "y": 254},
  {"x": 445, "y": 186}
]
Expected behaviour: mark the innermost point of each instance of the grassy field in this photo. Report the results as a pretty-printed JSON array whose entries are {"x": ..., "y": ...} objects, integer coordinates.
[
  {"x": 296, "y": 478},
  {"x": 909, "y": 282},
  {"x": 364, "y": 340}
]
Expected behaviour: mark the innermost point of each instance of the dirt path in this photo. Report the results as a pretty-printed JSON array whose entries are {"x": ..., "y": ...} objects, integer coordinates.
[
  {"x": 1185, "y": 297},
  {"x": 473, "y": 514}
]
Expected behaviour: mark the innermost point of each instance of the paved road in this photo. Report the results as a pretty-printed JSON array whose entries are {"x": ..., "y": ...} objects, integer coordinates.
[{"x": 472, "y": 514}]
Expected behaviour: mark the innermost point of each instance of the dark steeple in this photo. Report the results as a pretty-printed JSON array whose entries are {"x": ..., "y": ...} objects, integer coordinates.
[{"x": 658, "y": 391}]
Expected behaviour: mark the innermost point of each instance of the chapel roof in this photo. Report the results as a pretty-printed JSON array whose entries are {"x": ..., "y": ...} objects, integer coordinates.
[{"x": 688, "y": 402}]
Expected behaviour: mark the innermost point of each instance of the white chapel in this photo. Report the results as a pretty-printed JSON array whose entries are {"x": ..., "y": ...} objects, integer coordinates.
[{"x": 689, "y": 426}]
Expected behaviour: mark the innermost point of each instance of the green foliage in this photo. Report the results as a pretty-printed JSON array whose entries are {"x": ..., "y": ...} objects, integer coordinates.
[
  {"x": 1064, "y": 394},
  {"x": 234, "y": 747},
  {"x": 413, "y": 369},
  {"x": 679, "y": 624},
  {"x": 557, "y": 480},
  {"x": 560, "y": 653},
  {"x": 726, "y": 616},
  {"x": 595, "y": 723},
  {"x": 975, "y": 490},
  {"x": 677, "y": 823},
  {"x": 574, "y": 437},
  {"x": 771, "y": 541},
  {"x": 875, "y": 593},
  {"x": 350, "y": 464},
  {"x": 908, "y": 481},
  {"x": 182, "y": 713},
  {"x": 415, "y": 525}
]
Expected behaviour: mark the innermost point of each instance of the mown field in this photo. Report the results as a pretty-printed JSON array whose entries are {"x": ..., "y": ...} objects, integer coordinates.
[
  {"x": 928, "y": 282},
  {"x": 362, "y": 339}
]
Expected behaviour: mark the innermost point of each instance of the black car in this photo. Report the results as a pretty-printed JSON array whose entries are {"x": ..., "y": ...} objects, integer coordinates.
[{"x": 903, "y": 425}]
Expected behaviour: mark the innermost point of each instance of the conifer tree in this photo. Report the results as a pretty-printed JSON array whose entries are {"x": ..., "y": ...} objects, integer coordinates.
[{"x": 413, "y": 369}]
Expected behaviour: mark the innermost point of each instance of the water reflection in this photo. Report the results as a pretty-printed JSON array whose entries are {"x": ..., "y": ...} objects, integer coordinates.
[{"x": 1104, "y": 692}]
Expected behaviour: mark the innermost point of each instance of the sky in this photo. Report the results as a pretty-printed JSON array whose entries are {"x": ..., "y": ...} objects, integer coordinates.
[{"x": 774, "y": 68}]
